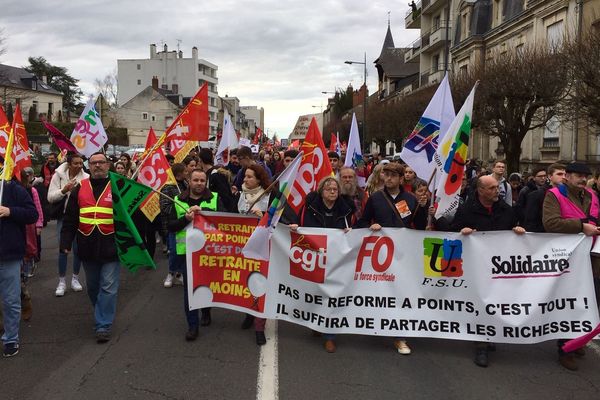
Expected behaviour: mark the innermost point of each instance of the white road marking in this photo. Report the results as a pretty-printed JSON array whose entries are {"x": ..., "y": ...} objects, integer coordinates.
[{"x": 267, "y": 385}]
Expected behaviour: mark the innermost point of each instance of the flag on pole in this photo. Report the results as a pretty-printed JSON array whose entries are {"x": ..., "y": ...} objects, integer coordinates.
[
  {"x": 450, "y": 159},
  {"x": 20, "y": 151},
  {"x": 154, "y": 172},
  {"x": 127, "y": 195},
  {"x": 333, "y": 144},
  {"x": 9, "y": 161},
  {"x": 423, "y": 142},
  {"x": 257, "y": 136},
  {"x": 257, "y": 246},
  {"x": 354, "y": 158},
  {"x": 229, "y": 140},
  {"x": 193, "y": 122},
  {"x": 59, "y": 138},
  {"x": 314, "y": 167},
  {"x": 89, "y": 135},
  {"x": 4, "y": 131}
]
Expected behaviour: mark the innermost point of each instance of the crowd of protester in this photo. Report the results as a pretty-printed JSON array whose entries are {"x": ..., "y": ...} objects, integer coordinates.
[{"x": 558, "y": 198}]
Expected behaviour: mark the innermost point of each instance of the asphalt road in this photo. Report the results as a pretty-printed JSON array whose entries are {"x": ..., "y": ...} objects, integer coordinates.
[{"x": 148, "y": 357}]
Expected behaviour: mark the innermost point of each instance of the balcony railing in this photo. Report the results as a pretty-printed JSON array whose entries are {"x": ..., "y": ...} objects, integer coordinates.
[{"x": 550, "y": 142}]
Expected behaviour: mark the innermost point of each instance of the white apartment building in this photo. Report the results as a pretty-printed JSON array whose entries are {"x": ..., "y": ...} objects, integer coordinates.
[
  {"x": 180, "y": 75},
  {"x": 253, "y": 113}
]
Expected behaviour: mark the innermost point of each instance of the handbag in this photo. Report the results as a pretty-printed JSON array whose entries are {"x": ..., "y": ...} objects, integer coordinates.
[
  {"x": 56, "y": 210},
  {"x": 30, "y": 241}
]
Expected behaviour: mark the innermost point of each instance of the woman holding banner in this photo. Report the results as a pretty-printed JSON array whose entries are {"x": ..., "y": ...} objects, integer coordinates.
[
  {"x": 326, "y": 208},
  {"x": 254, "y": 200}
]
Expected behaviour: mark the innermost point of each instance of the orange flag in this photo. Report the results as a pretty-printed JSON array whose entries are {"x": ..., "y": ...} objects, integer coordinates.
[
  {"x": 155, "y": 172},
  {"x": 192, "y": 122},
  {"x": 20, "y": 151},
  {"x": 314, "y": 167},
  {"x": 4, "y": 132}
]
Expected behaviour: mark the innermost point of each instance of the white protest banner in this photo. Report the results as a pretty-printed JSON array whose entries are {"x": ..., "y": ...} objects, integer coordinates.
[
  {"x": 89, "y": 135},
  {"x": 488, "y": 286}
]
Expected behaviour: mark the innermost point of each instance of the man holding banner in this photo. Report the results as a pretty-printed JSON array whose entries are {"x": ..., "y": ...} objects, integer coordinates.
[
  {"x": 485, "y": 212},
  {"x": 573, "y": 208},
  {"x": 195, "y": 199},
  {"x": 89, "y": 216}
]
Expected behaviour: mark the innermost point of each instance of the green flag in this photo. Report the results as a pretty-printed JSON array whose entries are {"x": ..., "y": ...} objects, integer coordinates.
[{"x": 127, "y": 195}]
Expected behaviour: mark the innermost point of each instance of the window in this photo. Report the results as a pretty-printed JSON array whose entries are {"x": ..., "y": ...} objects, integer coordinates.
[
  {"x": 464, "y": 69},
  {"x": 153, "y": 118},
  {"x": 139, "y": 67},
  {"x": 168, "y": 121},
  {"x": 463, "y": 26},
  {"x": 35, "y": 105},
  {"x": 50, "y": 110},
  {"x": 435, "y": 63},
  {"x": 139, "y": 82},
  {"x": 200, "y": 82},
  {"x": 144, "y": 116},
  {"x": 555, "y": 35},
  {"x": 551, "y": 136},
  {"x": 213, "y": 102},
  {"x": 436, "y": 23},
  {"x": 520, "y": 49}
]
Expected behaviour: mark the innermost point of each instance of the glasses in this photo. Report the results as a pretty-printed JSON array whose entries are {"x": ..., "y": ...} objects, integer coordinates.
[{"x": 98, "y": 162}]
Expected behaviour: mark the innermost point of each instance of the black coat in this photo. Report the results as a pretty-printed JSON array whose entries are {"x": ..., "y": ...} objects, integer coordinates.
[
  {"x": 534, "y": 211},
  {"x": 12, "y": 228},
  {"x": 313, "y": 213},
  {"x": 472, "y": 214},
  {"x": 379, "y": 211}
]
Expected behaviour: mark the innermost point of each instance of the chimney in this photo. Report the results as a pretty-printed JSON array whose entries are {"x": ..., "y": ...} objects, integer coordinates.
[
  {"x": 155, "y": 82},
  {"x": 195, "y": 53},
  {"x": 153, "y": 50},
  {"x": 180, "y": 54},
  {"x": 165, "y": 48}
]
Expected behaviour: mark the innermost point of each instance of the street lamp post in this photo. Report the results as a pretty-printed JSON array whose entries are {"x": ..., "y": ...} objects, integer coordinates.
[{"x": 364, "y": 63}]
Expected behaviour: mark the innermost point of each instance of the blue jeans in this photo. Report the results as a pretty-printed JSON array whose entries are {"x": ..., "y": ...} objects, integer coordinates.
[
  {"x": 175, "y": 263},
  {"x": 63, "y": 258},
  {"x": 102, "y": 281},
  {"x": 10, "y": 293}
]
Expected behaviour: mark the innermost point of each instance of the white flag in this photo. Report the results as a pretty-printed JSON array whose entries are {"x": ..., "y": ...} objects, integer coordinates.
[
  {"x": 450, "y": 159},
  {"x": 257, "y": 246},
  {"x": 228, "y": 141},
  {"x": 423, "y": 142},
  {"x": 89, "y": 135},
  {"x": 354, "y": 158}
]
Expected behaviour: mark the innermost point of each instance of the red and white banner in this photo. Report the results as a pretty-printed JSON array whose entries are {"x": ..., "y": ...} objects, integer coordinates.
[{"x": 492, "y": 286}]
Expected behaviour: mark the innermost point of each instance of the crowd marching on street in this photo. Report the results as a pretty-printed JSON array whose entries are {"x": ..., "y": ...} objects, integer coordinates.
[{"x": 77, "y": 194}]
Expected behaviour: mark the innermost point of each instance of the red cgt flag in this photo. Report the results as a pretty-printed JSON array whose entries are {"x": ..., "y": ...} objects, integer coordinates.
[
  {"x": 314, "y": 167},
  {"x": 192, "y": 122},
  {"x": 21, "y": 146}
]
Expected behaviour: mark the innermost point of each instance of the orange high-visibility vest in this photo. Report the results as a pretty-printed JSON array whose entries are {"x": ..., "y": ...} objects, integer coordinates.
[{"x": 95, "y": 213}]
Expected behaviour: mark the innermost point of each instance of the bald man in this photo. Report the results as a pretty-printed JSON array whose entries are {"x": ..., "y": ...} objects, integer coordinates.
[{"x": 485, "y": 212}]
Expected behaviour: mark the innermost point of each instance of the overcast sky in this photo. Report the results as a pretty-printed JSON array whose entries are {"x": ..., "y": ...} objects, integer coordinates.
[{"x": 276, "y": 54}]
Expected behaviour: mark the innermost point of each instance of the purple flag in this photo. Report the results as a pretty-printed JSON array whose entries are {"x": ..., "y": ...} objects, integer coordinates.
[{"x": 59, "y": 138}]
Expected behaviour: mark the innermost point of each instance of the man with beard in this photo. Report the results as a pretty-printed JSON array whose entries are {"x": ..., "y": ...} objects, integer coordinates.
[
  {"x": 573, "y": 208},
  {"x": 89, "y": 217},
  {"x": 349, "y": 187},
  {"x": 195, "y": 199}
]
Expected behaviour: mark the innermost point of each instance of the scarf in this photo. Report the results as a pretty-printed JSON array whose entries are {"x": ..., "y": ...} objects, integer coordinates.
[{"x": 250, "y": 195}]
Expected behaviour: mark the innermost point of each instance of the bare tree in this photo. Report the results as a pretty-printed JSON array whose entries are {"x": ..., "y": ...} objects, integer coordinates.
[
  {"x": 584, "y": 58},
  {"x": 107, "y": 87},
  {"x": 519, "y": 91},
  {"x": 393, "y": 120}
]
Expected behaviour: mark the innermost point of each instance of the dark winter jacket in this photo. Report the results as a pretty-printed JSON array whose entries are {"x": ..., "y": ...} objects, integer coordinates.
[
  {"x": 217, "y": 183},
  {"x": 521, "y": 206},
  {"x": 379, "y": 211},
  {"x": 12, "y": 228},
  {"x": 472, "y": 214},
  {"x": 315, "y": 214},
  {"x": 533, "y": 212},
  {"x": 95, "y": 247}
]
